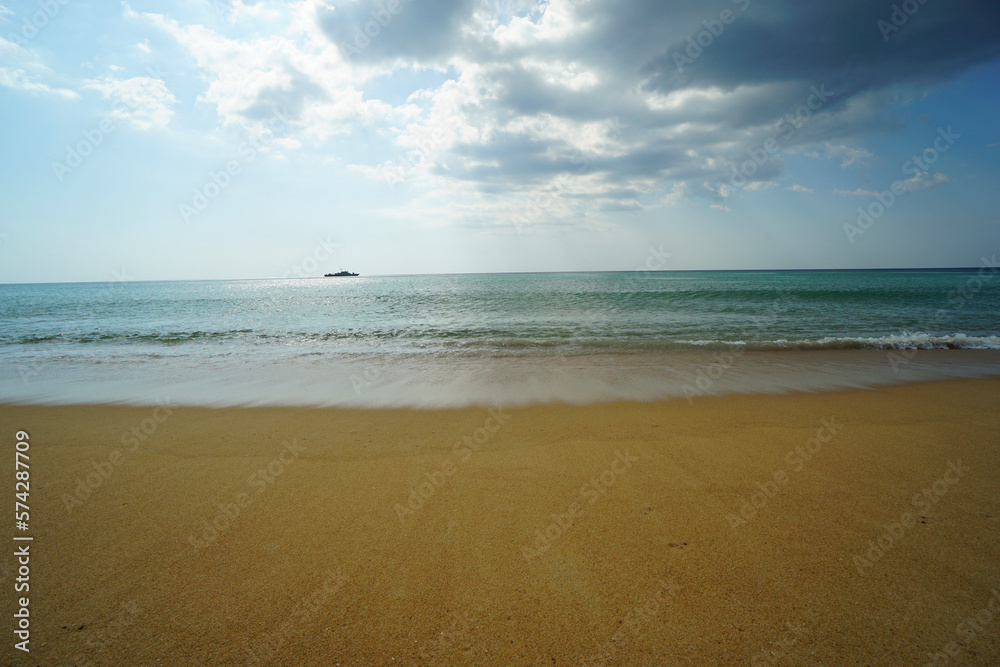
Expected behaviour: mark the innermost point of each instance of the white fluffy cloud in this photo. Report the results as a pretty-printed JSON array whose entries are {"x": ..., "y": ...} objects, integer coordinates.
[
  {"x": 143, "y": 101},
  {"x": 295, "y": 74},
  {"x": 921, "y": 181},
  {"x": 502, "y": 102},
  {"x": 18, "y": 79},
  {"x": 924, "y": 181}
]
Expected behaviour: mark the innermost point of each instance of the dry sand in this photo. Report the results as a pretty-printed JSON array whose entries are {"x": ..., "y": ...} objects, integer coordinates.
[{"x": 317, "y": 561}]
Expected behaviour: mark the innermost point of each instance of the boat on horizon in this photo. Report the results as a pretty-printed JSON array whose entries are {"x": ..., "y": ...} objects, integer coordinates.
[{"x": 340, "y": 274}]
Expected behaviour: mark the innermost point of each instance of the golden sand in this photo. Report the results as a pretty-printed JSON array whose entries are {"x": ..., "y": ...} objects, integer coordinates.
[{"x": 846, "y": 528}]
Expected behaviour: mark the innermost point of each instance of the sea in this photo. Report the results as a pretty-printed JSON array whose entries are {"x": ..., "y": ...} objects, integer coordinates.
[{"x": 433, "y": 341}]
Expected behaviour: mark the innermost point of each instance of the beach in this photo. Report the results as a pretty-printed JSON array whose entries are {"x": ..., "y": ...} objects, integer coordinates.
[
  {"x": 502, "y": 334},
  {"x": 849, "y": 527}
]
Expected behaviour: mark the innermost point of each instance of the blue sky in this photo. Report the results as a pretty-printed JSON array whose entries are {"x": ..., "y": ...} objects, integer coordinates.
[{"x": 223, "y": 139}]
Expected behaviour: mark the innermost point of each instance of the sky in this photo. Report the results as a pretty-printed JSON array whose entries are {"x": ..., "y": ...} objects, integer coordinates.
[{"x": 215, "y": 139}]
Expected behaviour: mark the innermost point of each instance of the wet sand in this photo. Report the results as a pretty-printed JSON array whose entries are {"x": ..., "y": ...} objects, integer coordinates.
[{"x": 858, "y": 527}]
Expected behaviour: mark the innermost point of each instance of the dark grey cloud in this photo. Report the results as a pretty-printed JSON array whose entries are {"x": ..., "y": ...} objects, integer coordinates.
[
  {"x": 525, "y": 92},
  {"x": 768, "y": 59},
  {"x": 414, "y": 30},
  {"x": 854, "y": 45},
  {"x": 286, "y": 99},
  {"x": 508, "y": 157}
]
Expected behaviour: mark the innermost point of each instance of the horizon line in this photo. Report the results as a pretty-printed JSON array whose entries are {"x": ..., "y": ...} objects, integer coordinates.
[{"x": 505, "y": 273}]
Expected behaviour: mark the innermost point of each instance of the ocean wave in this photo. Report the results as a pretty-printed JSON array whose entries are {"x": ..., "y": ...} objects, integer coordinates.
[
  {"x": 172, "y": 337},
  {"x": 915, "y": 341},
  {"x": 544, "y": 341},
  {"x": 713, "y": 342},
  {"x": 902, "y": 341}
]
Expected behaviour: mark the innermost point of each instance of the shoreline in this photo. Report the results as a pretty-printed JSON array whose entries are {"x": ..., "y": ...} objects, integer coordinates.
[
  {"x": 431, "y": 382},
  {"x": 828, "y": 528}
]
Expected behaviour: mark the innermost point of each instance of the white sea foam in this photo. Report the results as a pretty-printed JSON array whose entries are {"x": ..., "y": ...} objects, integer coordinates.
[
  {"x": 902, "y": 341},
  {"x": 503, "y": 339},
  {"x": 437, "y": 382}
]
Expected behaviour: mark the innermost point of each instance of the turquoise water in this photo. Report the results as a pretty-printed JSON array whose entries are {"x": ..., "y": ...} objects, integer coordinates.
[{"x": 209, "y": 341}]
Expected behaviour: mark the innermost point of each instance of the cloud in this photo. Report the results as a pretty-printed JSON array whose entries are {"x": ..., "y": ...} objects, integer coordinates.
[
  {"x": 757, "y": 186},
  {"x": 795, "y": 187},
  {"x": 26, "y": 68},
  {"x": 839, "y": 44},
  {"x": 258, "y": 10},
  {"x": 924, "y": 181},
  {"x": 856, "y": 193},
  {"x": 17, "y": 79},
  {"x": 848, "y": 155},
  {"x": 288, "y": 95},
  {"x": 921, "y": 181},
  {"x": 9, "y": 46},
  {"x": 523, "y": 94},
  {"x": 678, "y": 133},
  {"x": 145, "y": 102},
  {"x": 294, "y": 72},
  {"x": 378, "y": 31}
]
